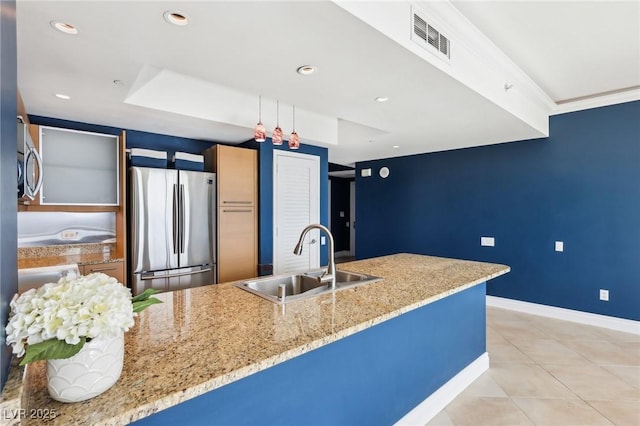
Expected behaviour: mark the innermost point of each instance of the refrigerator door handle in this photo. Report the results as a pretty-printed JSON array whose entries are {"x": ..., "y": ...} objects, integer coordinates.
[
  {"x": 175, "y": 218},
  {"x": 213, "y": 223},
  {"x": 179, "y": 274},
  {"x": 181, "y": 218}
]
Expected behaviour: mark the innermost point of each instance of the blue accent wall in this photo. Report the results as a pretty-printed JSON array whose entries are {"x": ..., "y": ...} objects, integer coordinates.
[
  {"x": 581, "y": 185},
  {"x": 265, "y": 195},
  {"x": 373, "y": 377},
  {"x": 8, "y": 175}
]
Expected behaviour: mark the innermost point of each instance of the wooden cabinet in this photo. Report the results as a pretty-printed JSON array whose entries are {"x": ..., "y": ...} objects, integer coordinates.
[
  {"x": 113, "y": 269},
  {"x": 83, "y": 171},
  {"x": 237, "y": 222},
  {"x": 117, "y": 175},
  {"x": 80, "y": 168},
  {"x": 237, "y": 257},
  {"x": 237, "y": 174}
]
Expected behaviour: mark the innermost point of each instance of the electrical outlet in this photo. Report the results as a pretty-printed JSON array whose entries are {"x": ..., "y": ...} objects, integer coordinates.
[
  {"x": 559, "y": 246},
  {"x": 323, "y": 240},
  {"x": 69, "y": 235},
  {"x": 604, "y": 295},
  {"x": 487, "y": 241}
]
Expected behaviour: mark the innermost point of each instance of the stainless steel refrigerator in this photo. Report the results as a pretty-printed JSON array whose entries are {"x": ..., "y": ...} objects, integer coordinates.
[{"x": 173, "y": 229}]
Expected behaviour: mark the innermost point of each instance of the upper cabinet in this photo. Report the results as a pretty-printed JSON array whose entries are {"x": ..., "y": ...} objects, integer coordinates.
[
  {"x": 237, "y": 174},
  {"x": 79, "y": 168},
  {"x": 81, "y": 171}
]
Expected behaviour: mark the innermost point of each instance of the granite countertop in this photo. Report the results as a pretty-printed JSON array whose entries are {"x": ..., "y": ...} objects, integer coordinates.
[
  {"x": 80, "y": 259},
  {"x": 203, "y": 338},
  {"x": 82, "y": 254}
]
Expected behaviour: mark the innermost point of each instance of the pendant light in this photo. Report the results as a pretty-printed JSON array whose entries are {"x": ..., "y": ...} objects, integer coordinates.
[
  {"x": 294, "y": 140},
  {"x": 259, "y": 132},
  {"x": 277, "y": 137}
]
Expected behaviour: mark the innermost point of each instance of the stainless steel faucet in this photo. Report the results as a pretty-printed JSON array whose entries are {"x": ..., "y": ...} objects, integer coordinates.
[{"x": 330, "y": 275}]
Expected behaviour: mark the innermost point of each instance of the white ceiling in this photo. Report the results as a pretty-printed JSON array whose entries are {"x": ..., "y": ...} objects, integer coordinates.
[
  {"x": 233, "y": 51},
  {"x": 571, "y": 49}
]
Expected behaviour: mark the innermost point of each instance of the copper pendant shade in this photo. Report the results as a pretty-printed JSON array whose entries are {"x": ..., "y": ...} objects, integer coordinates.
[
  {"x": 259, "y": 132},
  {"x": 294, "y": 140},
  {"x": 277, "y": 137}
]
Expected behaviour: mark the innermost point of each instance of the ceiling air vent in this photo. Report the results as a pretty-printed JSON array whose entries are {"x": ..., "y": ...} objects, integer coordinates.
[
  {"x": 419, "y": 27},
  {"x": 429, "y": 37}
]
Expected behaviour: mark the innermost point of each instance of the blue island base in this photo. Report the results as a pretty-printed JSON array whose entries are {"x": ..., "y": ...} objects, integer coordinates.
[{"x": 373, "y": 377}]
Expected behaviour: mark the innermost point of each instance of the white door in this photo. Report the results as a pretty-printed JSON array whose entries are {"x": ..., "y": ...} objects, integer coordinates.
[{"x": 296, "y": 204}]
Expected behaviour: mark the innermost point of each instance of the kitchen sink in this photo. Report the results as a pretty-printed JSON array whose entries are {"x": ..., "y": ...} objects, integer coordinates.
[{"x": 287, "y": 288}]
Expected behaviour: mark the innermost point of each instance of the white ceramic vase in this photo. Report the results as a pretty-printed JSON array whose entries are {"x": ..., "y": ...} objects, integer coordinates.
[{"x": 88, "y": 373}]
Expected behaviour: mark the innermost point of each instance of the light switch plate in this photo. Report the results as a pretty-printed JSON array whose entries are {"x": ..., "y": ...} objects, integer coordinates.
[
  {"x": 487, "y": 241},
  {"x": 323, "y": 240},
  {"x": 365, "y": 172},
  {"x": 559, "y": 246}
]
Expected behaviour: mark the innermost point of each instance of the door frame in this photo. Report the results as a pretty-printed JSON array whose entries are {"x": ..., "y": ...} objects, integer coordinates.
[
  {"x": 296, "y": 155},
  {"x": 352, "y": 218}
]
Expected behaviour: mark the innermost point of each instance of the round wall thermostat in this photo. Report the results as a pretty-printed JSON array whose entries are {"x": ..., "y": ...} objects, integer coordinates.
[{"x": 384, "y": 172}]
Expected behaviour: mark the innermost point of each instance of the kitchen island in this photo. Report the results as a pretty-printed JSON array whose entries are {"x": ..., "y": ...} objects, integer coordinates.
[{"x": 220, "y": 355}]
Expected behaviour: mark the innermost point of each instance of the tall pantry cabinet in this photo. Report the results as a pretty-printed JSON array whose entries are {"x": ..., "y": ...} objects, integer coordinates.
[{"x": 237, "y": 189}]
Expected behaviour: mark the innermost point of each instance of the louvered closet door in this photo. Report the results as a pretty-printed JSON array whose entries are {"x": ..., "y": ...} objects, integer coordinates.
[{"x": 296, "y": 197}]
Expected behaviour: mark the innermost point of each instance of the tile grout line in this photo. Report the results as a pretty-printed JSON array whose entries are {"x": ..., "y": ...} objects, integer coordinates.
[
  {"x": 525, "y": 325},
  {"x": 601, "y": 413}
]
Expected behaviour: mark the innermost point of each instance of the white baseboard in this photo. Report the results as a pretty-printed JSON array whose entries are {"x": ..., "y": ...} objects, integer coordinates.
[
  {"x": 613, "y": 323},
  {"x": 430, "y": 407}
]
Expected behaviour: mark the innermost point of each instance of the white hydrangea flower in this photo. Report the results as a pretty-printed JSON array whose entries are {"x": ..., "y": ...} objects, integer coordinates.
[{"x": 88, "y": 306}]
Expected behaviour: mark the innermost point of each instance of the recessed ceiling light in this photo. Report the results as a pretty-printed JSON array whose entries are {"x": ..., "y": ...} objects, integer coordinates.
[
  {"x": 396, "y": 146},
  {"x": 63, "y": 96},
  {"x": 176, "y": 18},
  {"x": 382, "y": 99},
  {"x": 306, "y": 70},
  {"x": 64, "y": 27}
]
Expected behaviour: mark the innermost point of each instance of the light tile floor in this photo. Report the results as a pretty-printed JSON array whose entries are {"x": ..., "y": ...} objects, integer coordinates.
[{"x": 547, "y": 372}]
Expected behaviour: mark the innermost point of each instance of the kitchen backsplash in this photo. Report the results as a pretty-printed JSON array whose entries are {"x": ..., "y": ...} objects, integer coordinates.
[{"x": 37, "y": 229}]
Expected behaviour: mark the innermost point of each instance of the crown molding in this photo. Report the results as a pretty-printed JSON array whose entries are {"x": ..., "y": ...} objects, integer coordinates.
[{"x": 597, "y": 101}]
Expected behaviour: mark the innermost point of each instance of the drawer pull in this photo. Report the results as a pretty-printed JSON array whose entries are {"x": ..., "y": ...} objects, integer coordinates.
[
  {"x": 237, "y": 202},
  {"x": 103, "y": 269},
  {"x": 237, "y": 211}
]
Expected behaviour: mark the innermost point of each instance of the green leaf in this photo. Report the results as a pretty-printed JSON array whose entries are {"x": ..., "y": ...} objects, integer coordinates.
[
  {"x": 144, "y": 295},
  {"x": 144, "y": 304},
  {"x": 51, "y": 349}
]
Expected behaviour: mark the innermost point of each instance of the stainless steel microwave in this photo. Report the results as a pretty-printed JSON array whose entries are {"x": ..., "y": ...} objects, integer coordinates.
[{"x": 29, "y": 164}]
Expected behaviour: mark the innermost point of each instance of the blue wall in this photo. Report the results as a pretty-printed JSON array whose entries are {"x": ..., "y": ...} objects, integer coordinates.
[
  {"x": 373, "y": 377},
  {"x": 581, "y": 185},
  {"x": 8, "y": 174},
  {"x": 265, "y": 196}
]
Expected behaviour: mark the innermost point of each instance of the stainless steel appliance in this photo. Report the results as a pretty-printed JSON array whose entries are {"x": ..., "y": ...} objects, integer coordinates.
[
  {"x": 173, "y": 229},
  {"x": 29, "y": 164},
  {"x": 35, "y": 277}
]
